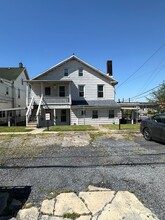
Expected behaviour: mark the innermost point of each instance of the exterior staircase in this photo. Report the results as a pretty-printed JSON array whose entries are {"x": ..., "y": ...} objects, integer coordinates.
[{"x": 33, "y": 120}]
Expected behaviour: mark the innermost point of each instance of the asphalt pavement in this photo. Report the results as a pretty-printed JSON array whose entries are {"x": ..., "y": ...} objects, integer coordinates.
[{"x": 120, "y": 164}]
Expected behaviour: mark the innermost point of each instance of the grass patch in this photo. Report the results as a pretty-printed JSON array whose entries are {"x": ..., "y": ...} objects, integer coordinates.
[
  {"x": 93, "y": 136},
  {"x": 122, "y": 126},
  {"x": 71, "y": 215},
  {"x": 72, "y": 128},
  {"x": 14, "y": 129}
]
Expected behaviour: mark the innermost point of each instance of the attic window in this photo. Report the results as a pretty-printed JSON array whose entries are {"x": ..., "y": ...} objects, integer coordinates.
[
  {"x": 66, "y": 72},
  {"x": 22, "y": 81},
  {"x": 80, "y": 73}
]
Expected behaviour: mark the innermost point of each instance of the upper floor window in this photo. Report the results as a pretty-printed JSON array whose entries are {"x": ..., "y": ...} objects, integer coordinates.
[
  {"x": 19, "y": 93},
  {"x": 95, "y": 114},
  {"x": 80, "y": 72},
  {"x": 66, "y": 72},
  {"x": 22, "y": 81},
  {"x": 100, "y": 93},
  {"x": 7, "y": 90},
  {"x": 111, "y": 113},
  {"x": 62, "y": 91},
  {"x": 81, "y": 90},
  {"x": 47, "y": 91}
]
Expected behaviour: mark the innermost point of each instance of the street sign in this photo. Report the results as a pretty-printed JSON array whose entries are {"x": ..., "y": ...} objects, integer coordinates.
[
  {"x": 47, "y": 116},
  {"x": 119, "y": 115}
]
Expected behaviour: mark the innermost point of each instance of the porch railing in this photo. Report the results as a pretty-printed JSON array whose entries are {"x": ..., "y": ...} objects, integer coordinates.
[{"x": 57, "y": 100}]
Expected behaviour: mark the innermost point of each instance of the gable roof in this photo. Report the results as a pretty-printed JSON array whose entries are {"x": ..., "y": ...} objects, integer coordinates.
[
  {"x": 12, "y": 73},
  {"x": 73, "y": 57}
]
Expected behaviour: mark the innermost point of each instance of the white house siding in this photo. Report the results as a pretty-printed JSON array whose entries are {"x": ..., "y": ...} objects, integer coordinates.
[
  {"x": 20, "y": 85},
  {"x": 103, "y": 117},
  {"x": 90, "y": 79},
  {"x": 6, "y": 100}
]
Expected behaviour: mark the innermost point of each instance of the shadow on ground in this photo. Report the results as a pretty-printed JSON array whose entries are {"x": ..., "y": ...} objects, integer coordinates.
[{"x": 12, "y": 199}]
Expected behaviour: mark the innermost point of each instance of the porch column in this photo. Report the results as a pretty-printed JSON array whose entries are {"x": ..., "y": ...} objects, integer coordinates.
[
  {"x": 27, "y": 95},
  {"x": 42, "y": 89},
  {"x": 54, "y": 117},
  {"x": 69, "y": 93}
]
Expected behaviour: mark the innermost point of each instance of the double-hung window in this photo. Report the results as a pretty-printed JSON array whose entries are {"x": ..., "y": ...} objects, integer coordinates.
[
  {"x": 80, "y": 72},
  {"x": 81, "y": 90},
  {"x": 111, "y": 113},
  {"x": 100, "y": 92},
  {"x": 66, "y": 72},
  {"x": 95, "y": 114}
]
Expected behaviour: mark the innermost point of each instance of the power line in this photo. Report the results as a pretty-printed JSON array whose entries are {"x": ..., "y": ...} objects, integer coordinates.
[
  {"x": 144, "y": 93},
  {"x": 141, "y": 66}
]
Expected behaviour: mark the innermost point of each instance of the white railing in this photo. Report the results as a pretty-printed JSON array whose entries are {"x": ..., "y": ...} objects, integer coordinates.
[
  {"x": 28, "y": 113},
  {"x": 38, "y": 110},
  {"x": 57, "y": 100}
]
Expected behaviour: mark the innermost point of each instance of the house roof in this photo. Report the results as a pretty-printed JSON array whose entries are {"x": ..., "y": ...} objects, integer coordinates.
[
  {"x": 12, "y": 73},
  {"x": 73, "y": 57},
  {"x": 96, "y": 103}
]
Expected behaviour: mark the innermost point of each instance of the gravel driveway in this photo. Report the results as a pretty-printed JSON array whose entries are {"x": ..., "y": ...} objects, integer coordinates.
[{"x": 72, "y": 161}]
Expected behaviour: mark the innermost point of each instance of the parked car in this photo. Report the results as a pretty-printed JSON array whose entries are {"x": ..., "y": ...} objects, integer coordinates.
[{"x": 153, "y": 128}]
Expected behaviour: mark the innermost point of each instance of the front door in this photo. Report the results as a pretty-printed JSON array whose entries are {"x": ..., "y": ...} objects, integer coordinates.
[{"x": 63, "y": 115}]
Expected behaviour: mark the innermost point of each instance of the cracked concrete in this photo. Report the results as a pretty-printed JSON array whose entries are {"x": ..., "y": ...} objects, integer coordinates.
[{"x": 95, "y": 204}]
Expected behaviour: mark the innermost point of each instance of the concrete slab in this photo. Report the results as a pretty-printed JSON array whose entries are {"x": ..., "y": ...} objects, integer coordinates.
[
  {"x": 125, "y": 206},
  {"x": 96, "y": 201},
  {"x": 69, "y": 203}
]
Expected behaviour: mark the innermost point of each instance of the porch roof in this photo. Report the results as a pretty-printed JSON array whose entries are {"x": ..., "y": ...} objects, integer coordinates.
[
  {"x": 12, "y": 109},
  {"x": 50, "y": 81},
  {"x": 95, "y": 103}
]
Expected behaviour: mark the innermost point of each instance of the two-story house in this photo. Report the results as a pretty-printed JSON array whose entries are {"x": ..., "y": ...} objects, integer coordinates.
[
  {"x": 13, "y": 94},
  {"x": 72, "y": 93}
]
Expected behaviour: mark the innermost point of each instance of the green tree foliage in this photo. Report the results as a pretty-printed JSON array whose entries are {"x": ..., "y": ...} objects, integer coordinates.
[{"x": 158, "y": 96}]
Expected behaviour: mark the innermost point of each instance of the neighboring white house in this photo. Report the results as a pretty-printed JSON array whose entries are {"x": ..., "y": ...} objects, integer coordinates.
[
  {"x": 13, "y": 94},
  {"x": 72, "y": 93}
]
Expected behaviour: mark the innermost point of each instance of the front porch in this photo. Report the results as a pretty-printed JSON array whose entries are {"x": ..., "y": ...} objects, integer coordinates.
[{"x": 47, "y": 96}]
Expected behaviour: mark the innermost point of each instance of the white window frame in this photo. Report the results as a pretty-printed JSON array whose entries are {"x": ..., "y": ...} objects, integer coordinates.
[
  {"x": 110, "y": 113},
  {"x": 100, "y": 92},
  {"x": 82, "y": 86},
  {"x": 80, "y": 71},
  {"x": 95, "y": 116},
  {"x": 66, "y": 72}
]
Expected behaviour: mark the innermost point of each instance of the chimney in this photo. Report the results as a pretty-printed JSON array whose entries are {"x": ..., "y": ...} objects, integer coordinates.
[
  {"x": 109, "y": 67},
  {"x": 20, "y": 65}
]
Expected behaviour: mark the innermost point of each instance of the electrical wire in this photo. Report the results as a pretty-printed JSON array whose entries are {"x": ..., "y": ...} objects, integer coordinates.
[
  {"x": 137, "y": 96},
  {"x": 141, "y": 66}
]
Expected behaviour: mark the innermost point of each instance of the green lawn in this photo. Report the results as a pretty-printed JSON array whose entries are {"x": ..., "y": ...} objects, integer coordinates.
[
  {"x": 91, "y": 128},
  {"x": 122, "y": 126},
  {"x": 14, "y": 129},
  {"x": 72, "y": 128}
]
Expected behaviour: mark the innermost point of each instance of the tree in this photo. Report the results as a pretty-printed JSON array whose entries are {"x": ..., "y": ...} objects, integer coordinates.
[{"x": 158, "y": 97}]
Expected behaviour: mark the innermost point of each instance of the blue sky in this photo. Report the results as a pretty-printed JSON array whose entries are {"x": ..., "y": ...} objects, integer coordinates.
[{"x": 131, "y": 33}]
